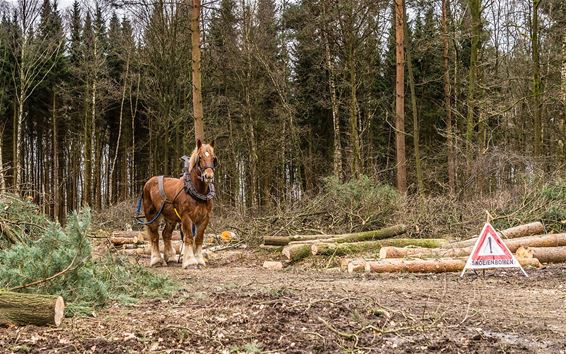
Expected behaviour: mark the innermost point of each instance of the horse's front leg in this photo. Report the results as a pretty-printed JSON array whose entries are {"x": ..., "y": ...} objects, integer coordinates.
[
  {"x": 199, "y": 241},
  {"x": 168, "y": 251},
  {"x": 188, "y": 253},
  {"x": 153, "y": 232}
]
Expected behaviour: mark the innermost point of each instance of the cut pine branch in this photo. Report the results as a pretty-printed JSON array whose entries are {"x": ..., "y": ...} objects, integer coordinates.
[
  {"x": 351, "y": 237},
  {"x": 429, "y": 265},
  {"x": 20, "y": 309},
  {"x": 533, "y": 228},
  {"x": 340, "y": 249}
]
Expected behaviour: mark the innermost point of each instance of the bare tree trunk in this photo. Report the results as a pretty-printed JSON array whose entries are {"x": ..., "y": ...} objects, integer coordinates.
[
  {"x": 196, "y": 71},
  {"x": 113, "y": 165},
  {"x": 249, "y": 121},
  {"x": 55, "y": 182},
  {"x": 2, "y": 180},
  {"x": 21, "y": 100},
  {"x": 447, "y": 103},
  {"x": 87, "y": 152},
  {"x": 337, "y": 155},
  {"x": 400, "y": 97},
  {"x": 535, "y": 45},
  {"x": 414, "y": 112},
  {"x": 562, "y": 138},
  {"x": 475, "y": 10},
  {"x": 353, "y": 117}
]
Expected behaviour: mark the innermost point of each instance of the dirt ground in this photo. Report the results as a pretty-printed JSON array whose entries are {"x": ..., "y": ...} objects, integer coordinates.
[{"x": 234, "y": 305}]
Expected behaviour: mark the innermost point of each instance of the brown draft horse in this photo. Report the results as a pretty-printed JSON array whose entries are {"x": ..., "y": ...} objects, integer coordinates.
[{"x": 186, "y": 200}]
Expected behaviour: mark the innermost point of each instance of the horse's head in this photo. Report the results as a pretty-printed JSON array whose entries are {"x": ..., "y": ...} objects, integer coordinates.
[{"x": 206, "y": 161}]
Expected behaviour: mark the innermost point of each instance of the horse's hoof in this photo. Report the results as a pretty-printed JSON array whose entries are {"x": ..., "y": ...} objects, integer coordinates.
[
  {"x": 191, "y": 262},
  {"x": 170, "y": 258},
  {"x": 157, "y": 261}
]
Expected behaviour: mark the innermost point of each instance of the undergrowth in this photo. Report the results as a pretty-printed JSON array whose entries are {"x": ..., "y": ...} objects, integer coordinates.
[
  {"x": 84, "y": 283},
  {"x": 364, "y": 204}
]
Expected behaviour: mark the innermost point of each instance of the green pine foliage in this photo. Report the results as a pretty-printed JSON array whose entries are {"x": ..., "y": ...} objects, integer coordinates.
[
  {"x": 20, "y": 221},
  {"x": 85, "y": 283}
]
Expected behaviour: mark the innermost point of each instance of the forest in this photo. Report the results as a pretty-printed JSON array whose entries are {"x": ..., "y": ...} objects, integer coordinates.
[
  {"x": 352, "y": 149},
  {"x": 96, "y": 97}
]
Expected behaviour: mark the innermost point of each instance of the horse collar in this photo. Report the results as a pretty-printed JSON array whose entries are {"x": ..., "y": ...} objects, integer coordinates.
[{"x": 192, "y": 191}]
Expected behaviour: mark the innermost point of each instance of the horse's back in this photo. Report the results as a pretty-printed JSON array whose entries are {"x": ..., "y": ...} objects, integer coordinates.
[{"x": 152, "y": 190}]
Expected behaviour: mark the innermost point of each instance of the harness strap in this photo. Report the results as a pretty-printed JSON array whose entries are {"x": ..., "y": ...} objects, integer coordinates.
[
  {"x": 191, "y": 190},
  {"x": 161, "y": 189}
]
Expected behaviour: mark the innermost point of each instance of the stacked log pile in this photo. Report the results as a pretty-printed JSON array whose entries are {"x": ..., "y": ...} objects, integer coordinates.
[
  {"x": 137, "y": 242},
  {"x": 529, "y": 242},
  {"x": 295, "y": 248}
]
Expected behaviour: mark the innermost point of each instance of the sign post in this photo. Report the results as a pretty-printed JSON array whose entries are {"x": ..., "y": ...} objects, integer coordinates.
[{"x": 491, "y": 252}]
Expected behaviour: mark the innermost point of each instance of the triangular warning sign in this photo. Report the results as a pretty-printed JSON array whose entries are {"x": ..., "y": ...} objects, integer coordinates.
[{"x": 490, "y": 252}]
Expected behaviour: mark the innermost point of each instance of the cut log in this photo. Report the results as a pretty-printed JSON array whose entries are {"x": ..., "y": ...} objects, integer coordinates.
[
  {"x": 340, "y": 249},
  {"x": 351, "y": 237},
  {"x": 141, "y": 235},
  {"x": 146, "y": 248},
  {"x": 356, "y": 266},
  {"x": 285, "y": 240},
  {"x": 550, "y": 240},
  {"x": 421, "y": 252},
  {"x": 533, "y": 228},
  {"x": 295, "y": 253},
  {"x": 271, "y": 248},
  {"x": 119, "y": 241},
  {"x": 430, "y": 265},
  {"x": 273, "y": 265},
  {"x": 22, "y": 309},
  {"x": 543, "y": 254}
]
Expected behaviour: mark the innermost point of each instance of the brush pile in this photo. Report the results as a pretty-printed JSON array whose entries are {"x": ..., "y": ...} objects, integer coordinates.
[{"x": 38, "y": 256}]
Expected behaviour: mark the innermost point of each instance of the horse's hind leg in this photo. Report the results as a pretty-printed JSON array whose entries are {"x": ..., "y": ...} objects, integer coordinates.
[
  {"x": 188, "y": 254},
  {"x": 153, "y": 232},
  {"x": 168, "y": 251}
]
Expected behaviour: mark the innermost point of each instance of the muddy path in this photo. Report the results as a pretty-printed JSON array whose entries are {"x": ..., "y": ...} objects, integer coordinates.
[{"x": 237, "y": 306}]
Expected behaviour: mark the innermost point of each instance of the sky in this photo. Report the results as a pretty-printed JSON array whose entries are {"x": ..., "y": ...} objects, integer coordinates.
[{"x": 63, "y": 4}]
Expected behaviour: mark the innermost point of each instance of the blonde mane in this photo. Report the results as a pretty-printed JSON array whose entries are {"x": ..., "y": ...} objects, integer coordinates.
[{"x": 193, "y": 159}]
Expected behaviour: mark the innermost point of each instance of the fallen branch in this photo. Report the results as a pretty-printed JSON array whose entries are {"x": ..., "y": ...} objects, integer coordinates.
[{"x": 41, "y": 281}]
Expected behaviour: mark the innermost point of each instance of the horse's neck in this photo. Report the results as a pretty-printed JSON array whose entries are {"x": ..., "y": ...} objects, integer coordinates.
[{"x": 200, "y": 186}]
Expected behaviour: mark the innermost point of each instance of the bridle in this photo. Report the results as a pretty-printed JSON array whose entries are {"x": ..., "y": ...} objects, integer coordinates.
[
  {"x": 189, "y": 186},
  {"x": 201, "y": 169}
]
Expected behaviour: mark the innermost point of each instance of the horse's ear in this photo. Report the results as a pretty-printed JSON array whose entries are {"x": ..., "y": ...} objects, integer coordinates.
[
  {"x": 212, "y": 143},
  {"x": 199, "y": 143}
]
